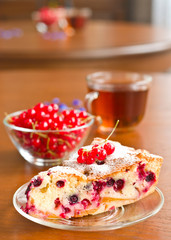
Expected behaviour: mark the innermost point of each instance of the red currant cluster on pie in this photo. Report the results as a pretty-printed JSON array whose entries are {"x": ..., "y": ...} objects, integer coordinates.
[
  {"x": 42, "y": 140},
  {"x": 97, "y": 154}
]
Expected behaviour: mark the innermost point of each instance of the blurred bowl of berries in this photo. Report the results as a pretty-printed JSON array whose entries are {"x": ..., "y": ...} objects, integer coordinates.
[
  {"x": 45, "y": 135},
  {"x": 53, "y": 20}
]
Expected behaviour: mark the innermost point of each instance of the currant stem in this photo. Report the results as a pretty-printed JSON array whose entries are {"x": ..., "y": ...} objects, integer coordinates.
[
  {"x": 87, "y": 119},
  {"x": 41, "y": 135},
  {"x": 112, "y": 130},
  {"x": 85, "y": 150}
]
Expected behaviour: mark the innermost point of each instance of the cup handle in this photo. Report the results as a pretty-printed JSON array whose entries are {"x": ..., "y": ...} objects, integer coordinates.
[{"x": 89, "y": 98}]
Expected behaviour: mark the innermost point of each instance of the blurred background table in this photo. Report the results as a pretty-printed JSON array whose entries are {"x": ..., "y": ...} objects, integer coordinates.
[
  {"x": 21, "y": 89},
  {"x": 101, "y": 43}
]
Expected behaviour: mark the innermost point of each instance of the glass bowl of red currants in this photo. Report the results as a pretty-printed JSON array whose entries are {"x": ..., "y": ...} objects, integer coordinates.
[{"x": 45, "y": 135}]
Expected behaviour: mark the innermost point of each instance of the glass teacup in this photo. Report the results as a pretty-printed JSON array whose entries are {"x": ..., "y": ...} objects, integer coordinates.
[{"x": 117, "y": 96}]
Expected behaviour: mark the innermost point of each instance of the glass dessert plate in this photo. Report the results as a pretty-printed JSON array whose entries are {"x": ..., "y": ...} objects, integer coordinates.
[{"x": 118, "y": 218}]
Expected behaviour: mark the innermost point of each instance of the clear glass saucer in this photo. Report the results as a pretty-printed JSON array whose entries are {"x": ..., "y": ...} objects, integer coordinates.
[{"x": 118, "y": 218}]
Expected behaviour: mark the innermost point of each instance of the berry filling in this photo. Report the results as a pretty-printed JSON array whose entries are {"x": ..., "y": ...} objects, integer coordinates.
[
  {"x": 57, "y": 202},
  {"x": 98, "y": 186},
  {"x": 119, "y": 185},
  {"x": 28, "y": 209},
  {"x": 28, "y": 190},
  {"x": 151, "y": 177},
  {"x": 100, "y": 162},
  {"x": 110, "y": 182},
  {"x": 60, "y": 184},
  {"x": 66, "y": 209},
  {"x": 112, "y": 208},
  {"x": 141, "y": 171},
  {"x": 73, "y": 199},
  {"x": 148, "y": 176},
  {"x": 85, "y": 202},
  {"x": 37, "y": 182},
  {"x": 94, "y": 193}
]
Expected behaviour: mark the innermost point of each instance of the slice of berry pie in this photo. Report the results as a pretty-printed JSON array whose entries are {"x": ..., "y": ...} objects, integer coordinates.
[{"x": 96, "y": 179}]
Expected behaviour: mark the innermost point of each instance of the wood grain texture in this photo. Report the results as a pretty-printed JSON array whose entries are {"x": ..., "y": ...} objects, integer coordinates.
[
  {"x": 115, "y": 43},
  {"x": 22, "y": 89}
]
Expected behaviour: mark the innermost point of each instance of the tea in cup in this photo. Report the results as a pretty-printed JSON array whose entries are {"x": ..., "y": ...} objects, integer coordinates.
[{"x": 117, "y": 96}]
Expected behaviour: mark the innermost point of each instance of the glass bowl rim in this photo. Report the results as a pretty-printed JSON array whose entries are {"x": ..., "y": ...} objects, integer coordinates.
[{"x": 44, "y": 131}]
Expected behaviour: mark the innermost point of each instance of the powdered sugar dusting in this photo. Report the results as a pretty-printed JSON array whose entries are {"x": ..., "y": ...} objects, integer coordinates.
[
  {"x": 120, "y": 151},
  {"x": 121, "y": 158},
  {"x": 66, "y": 170}
]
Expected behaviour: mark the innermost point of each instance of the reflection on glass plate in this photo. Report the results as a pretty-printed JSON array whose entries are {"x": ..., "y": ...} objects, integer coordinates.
[{"x": 118, "y": 218}]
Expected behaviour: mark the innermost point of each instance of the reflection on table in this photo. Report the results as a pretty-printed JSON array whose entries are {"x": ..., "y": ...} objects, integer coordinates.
[{"x": 100, "y": 44}]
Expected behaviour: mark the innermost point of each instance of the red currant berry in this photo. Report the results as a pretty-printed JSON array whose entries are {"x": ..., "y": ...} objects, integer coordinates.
[
  {"x": 54, "y": 107},
  {"x": 49, "y": 155},
  {"x": 61, "y": 126},
  {"x": 90, "y": 160},
  {"x": 46, "y": 108},
  {"x": 14, "y": 120},
  {"x": 80, "y": 151},
  {"x": 28, "y": 123},
  {"x": 53, "y": 147},
  {"x": 53, "y": 143},
  {"x": 59, "y": 119},
  {"x": 39, "y": 106},
  {"x": 73, "y": 113},
  {"x": 102, "y": 155},
  {"x": 31, "y": 113},
  {"x": 95, "y": 152},
  {"x": 71, "y": 121},
  {"x": 81, "y": 159},
  {"x": 43, "y": 125},
  {"x": 43, "y": 148},
  {"x": 47, "y": 116},
  {"x": 53, "y": 125},
  {"x": 85, "y": 154},
  {"x": 65, "y": 113},
  {"x": 54, "y": 116},
  {"x": 95, "y": 146},
  {"x": 49, "y": 120},
  {"x": 78, "y": 139},
  {"x": 110, "y": 148},
  {"x": 23, "y": 116},
  {"x": 19, "y": 134},
  {"x": 83, "y": 114},
  {"x": 40, "y": 115},
  {"x": 53, "y": 140},
  {"x": 36, "y": 142},
  {"x": 72, "y": 144},
  {"x": 62, "y": 148}
]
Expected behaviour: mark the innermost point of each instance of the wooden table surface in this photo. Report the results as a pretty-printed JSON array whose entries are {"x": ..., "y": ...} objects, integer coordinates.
[
  {"x": 108, "y": 43},
  {"x": 23, "y": 89}
]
